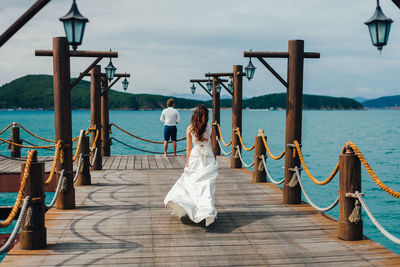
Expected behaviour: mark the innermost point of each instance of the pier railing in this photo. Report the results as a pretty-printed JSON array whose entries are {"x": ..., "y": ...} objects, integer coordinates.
[
  {"x": 350, "y": 198},
  {"x": 30, "y": 198},
  {"x": 144, "y": 140}
]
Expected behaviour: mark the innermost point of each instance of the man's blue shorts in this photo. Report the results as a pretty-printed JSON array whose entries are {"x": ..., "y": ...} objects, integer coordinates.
[{"x": 170, "y": 132}]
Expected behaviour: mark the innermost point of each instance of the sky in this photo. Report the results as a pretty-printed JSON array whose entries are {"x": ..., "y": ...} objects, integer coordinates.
[{"x": 163, "y": 44}]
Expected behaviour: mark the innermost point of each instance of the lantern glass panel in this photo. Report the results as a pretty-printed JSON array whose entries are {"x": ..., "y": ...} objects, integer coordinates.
[
  {"x": 249, "y": 70},
  {"x": 209, "y": 86},
  {"x": 69, "y": 30},
  {"x": 125, "y": 84},
  {"x": 218, "y": 88},
  {"x": 373, "y": 33},
  {"x": 230, "y": 85},
  {"x": 193, "y": 89},
  {"x": 110, "y": 71},
  {"x": 79, "y": 30}
]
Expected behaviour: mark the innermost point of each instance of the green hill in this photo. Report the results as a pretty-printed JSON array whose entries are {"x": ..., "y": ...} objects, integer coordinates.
[
  {"x": 309, "y": 102},
  {"x": 383, "y": 102},
  {"x": 36, "y": 91}
]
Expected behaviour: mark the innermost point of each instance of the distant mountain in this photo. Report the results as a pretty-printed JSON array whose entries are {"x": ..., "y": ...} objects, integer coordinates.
[
  {"x": 360, "y": 99},
  {"x": 309, "y": 102},
  {"x": 36, "y": 91},
  {"x": 383, "y": 102}
]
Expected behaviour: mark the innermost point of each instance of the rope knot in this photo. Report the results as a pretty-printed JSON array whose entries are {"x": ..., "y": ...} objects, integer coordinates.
[{"x": 355, "y": 215}]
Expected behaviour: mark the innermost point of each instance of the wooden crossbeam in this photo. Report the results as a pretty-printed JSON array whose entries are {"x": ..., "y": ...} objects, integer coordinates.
[
  {"x": 273, "y": 71},
  {"x": 199, "y": 83},
  {"x": 21, "y": 21},
  {"x": 277, "y": 54},
  {"x": 227, "y": 89},
  {"x": 49, "y": 53},
  {"x": 86, "y": 72},
  {"x": 111, "y": 85},
  {"x": 121, "y": 75}
]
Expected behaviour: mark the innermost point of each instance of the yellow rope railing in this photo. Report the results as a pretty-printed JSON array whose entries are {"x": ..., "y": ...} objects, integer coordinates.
[
  {"x": 21, "y": 190},
  {"x": 220, "y": 135},
  {"x": 143, "y": 139},
  {"x": 237, "y": 131},
  {"x": 78, "y": 146},
  {"x": 58, "y": 153},
  {"x": 5, "y": 129},
  {"x": 297, "y": 151},
  {"x": 268, "y": 150},
  {"x": 95, "y": 139},
  {"x": 372, "y": 173},
  {"x": 34, "y": 135},
  {"x": 25, "y": 146}
]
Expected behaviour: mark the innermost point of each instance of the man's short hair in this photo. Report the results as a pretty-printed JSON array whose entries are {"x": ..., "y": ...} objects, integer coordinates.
[{"x": 170, "y": 102}]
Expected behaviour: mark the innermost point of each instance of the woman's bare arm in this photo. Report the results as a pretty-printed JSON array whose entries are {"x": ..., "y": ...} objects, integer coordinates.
[{"x": 188, "y": 145}]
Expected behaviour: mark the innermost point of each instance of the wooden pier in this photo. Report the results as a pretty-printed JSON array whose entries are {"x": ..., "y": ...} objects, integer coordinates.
[{"x": 120, "y": 219}]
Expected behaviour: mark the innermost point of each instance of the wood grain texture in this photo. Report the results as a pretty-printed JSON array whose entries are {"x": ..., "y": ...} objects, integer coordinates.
[{"x": 121, "y": 220}]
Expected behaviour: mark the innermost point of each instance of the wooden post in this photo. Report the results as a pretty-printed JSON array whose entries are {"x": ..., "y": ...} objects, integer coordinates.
[
  {"x": 15, "y": 150},
  {"x": 105, "y": 122},
  {"x": 259, "y": 149},
  {"x": 95, "y": 113},
  {"x": 349, "y": 182},
  {"x": 294, "y": 100},
  {"x": 33, "y": 230},
  {"x": 215, "y": 116},
  {"x": 84, "y": 173},
  {"x": 236, "y": 113},
  {"x": 62, "y": 114}
]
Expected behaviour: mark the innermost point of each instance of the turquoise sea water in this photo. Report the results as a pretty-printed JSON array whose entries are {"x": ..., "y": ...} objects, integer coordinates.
[{"x": 375, "y": 132}]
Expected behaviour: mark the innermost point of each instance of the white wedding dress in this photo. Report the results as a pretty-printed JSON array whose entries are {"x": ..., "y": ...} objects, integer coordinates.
[{"x": 193, "y": 193}]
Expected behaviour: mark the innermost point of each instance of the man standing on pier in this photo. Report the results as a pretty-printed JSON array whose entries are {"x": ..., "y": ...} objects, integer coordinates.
[{"x": 170, "y": 117}]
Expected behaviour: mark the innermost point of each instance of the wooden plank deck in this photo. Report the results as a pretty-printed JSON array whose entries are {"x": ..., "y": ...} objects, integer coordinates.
[
  {"x": 120, "y": 219},
  {"x": 125, "y": 162}
]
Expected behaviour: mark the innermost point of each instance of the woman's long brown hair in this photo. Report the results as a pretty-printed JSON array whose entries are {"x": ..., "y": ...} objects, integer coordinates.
[{"x": 199, "y": 121}]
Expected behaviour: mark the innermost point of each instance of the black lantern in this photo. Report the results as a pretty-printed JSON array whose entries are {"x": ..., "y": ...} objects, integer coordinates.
[
  {"x": 110, "y": 70},
  {"x": 209, "y": 85},
  {"x": 193, "y": 88},
  {"x": 218, "y": 88},
  {"x": 125, "y": 84},
  {"x": 74, "y": 26},
  {"x": 230, "y": 85},
  {"x": 379, "y": 28},
  {"x": 249, "y": 70}
]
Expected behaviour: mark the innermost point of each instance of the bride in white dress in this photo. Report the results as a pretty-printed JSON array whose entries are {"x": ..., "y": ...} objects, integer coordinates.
[{"x": 193, "y": 193}]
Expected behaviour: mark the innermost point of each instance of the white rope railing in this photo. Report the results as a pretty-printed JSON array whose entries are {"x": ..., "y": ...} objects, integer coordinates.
[
  {"x": 268, "y": 175},
  {"x": 241, "y": 159},
  {"x": 308, "y": 198},
  {"x": 222, "y": 150},
  {"x": 78, "y": 169},
  {"x": 11, "y": 239},
  {"x": 94, "y": 157},
  {"x": 375, "y": 222},
  {"x": 60, "y": 181}
]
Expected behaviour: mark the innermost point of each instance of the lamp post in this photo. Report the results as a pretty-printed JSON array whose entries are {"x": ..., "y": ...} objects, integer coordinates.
[
  {"x": 74, "y": 26},
  {"x": 105, "y": 116},
  {"x": 379, "y": 27},
  {"x": 62, "y": 108},
  {"x": 236, "y": 92},
  {"x": 294, "y": 98}
]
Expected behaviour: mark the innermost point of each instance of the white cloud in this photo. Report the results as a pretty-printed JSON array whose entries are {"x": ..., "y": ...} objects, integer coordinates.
[{"x": 163, "y": 44}]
